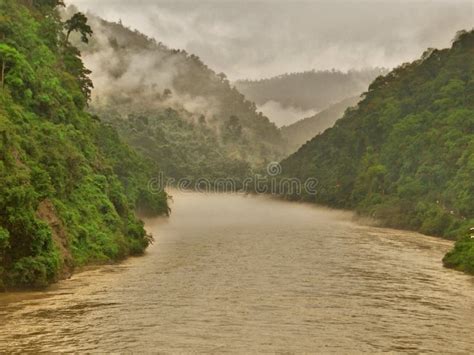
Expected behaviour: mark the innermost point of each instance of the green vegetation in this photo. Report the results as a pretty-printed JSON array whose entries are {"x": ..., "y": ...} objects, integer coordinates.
[
  {"x": 68, "y": 186},
  {"x": 173, "y": 108},
  {"x": 462, "y": 256},
  {"x": 181, "y": 148},
  {"x": 405, "y": 155}
]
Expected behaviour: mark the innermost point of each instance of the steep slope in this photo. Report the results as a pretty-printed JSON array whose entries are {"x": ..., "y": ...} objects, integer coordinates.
[
  {"x": 300, "y": 132},
  {"x": 68, "y": 185},
  {"x": 406, "y": 154},
  {"x": 182, "y": 149},
  {"x": 136, "y": 76},
  {"x": 315, "y": 90}
]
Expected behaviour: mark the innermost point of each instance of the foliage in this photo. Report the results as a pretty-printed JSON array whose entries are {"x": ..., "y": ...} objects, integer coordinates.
[
  {"x": 462, "y": 256},
  {"x": 78, "y": 22},
  {"x": 406, "y": 154},
  {"x": 53, "y": 153},
  {"x": 182, "y": 149},
  {"x": 141, "y": 79}
]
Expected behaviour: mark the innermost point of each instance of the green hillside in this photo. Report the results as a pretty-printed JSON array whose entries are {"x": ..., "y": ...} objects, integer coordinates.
[
  {"x": 68, "y": 186},
  {"x": 406, "y": 155},
  {"x": 181, "y": 148},
  {"x": 213, "y": 127}
]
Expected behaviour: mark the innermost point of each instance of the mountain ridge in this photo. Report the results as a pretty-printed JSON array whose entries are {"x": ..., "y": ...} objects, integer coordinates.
[
  {"x": 310, "y": 89},
  {"x": 405, "y": 155},
  {"x": 146, "y": 78}
]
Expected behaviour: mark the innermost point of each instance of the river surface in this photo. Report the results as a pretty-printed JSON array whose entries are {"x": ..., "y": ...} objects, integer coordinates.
[{"x": 231, "y": 273}]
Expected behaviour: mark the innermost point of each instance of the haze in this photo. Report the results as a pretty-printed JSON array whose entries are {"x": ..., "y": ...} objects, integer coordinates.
[{"x": 255, "y": 39}]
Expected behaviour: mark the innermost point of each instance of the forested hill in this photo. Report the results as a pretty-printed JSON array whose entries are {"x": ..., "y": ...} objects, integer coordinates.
[
  {"x": 406, "y": 154},
  {"x": 315, "y": 90},
  {"x": 303, "y": 130},
  {"x": 68, "y": 186},
  {"x": 166, "y": 100}
]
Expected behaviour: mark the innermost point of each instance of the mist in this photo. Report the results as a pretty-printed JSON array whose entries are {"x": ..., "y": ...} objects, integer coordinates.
[
  {"x": 256, "y": 39},
  {"x": 282, "y": 115},
  {"x": 135, "y": 75}
]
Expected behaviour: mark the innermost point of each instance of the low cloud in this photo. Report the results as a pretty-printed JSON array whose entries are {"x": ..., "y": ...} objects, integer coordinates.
[
  {"x": 283, "y": 116},
  {"x": 255, "y": 39},
  {"x": 138, "y": 76}
]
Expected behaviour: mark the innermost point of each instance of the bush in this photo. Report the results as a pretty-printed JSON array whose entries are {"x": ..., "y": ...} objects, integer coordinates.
[
  {"x": 35, "y": 272},
  {"x": 462, "y": 256}
]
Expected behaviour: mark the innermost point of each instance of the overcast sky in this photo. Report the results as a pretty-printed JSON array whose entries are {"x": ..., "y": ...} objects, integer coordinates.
[{"x": 255, "y": 39}]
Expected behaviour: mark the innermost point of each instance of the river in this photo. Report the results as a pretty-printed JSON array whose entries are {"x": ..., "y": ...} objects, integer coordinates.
[{"x": 230, "y": 273}]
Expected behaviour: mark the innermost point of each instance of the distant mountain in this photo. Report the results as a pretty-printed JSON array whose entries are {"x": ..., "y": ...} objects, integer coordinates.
[
  {"x": 137, "y": 77},
  {"x": 300, "y": 132},
  {"x": 405, "y": 155},
  {"x": 311, "y": 90}
]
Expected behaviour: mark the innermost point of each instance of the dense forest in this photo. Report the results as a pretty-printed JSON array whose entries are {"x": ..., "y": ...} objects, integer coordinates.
[
  {"x": 405, "y": 155},
  {"x": 75, "y": 163},
  {"x": 69, "y": 187},
  {"x": 309, "y": 90},
  {"x": 303, "y": 130},
  {"x": 171, "y": 106},
  {"x": 181, "y": 148}
]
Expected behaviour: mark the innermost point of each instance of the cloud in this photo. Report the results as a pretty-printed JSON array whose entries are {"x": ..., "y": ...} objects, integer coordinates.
[
  {"x": 283, "y": 116},
  {"x": 255, "y": 39},
  {"x": 133, "y": 76}
]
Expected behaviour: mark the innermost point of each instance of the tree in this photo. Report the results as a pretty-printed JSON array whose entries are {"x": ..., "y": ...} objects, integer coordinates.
[
  {"x": 78, "y": 22},
  {"x": 233, "y": 129},
  {"x": 11, "y": 59},
  {"x": 167, "y": 94}
]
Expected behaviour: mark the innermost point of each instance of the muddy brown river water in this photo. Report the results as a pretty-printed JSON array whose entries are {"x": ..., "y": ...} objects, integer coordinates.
[{"x": 230, "y": 273}]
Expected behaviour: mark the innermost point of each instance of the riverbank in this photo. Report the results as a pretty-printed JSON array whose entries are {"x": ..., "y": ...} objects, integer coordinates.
[
  {"x": 251, "y": 274},
  {"x": 459, "y": 258}
]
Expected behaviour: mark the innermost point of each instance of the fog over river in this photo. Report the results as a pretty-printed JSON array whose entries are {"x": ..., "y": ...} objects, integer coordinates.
[{"x": 251, "y": 274}]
